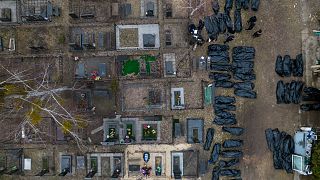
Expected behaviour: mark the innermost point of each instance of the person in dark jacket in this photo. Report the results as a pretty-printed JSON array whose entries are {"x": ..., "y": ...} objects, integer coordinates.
[
  {"x": 213, "y": 37},
  {"x": 257, "y": 34},
  {"x": 215, "y": 6},
  {"x": 252, "y": 19},
  {"x": 229, "y": 38},
  {"x": 251, "y": 22},
  {"x": 200, "y": 25},
  {"x": 191, "y": 28},
  {"x": 251, "y": 25}
]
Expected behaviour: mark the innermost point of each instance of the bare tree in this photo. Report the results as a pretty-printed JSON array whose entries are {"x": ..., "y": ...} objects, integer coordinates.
[
  {"x": 193, "y": 5},
  {"x": 31, "y": 96}
]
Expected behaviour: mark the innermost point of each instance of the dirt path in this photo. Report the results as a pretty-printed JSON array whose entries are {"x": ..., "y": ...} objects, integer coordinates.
[{"x": 281, "y": 26}]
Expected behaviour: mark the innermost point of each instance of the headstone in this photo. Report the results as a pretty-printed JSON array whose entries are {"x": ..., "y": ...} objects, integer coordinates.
[
  {"x": 27, "y": 164},
  {"x": 169, "y": 68},
  {"x": 150, "y": 9},
  {"x": 60, "y": 135},
  {"x": 66, "y": 163},
  {"x": 80, "y": 162},
  {"x": 177, "y": 130},
  {"x": 56, "y": 11},
  {"x": 150, "y": 6},
  {"x": 203, "y": 169},
  {"x": 149, "y": 40},
  {"x": 102, "y": 69},
  {"x": 6, "y": 15},
  {"x": 49, "y": 11},
  {"x": 100, "y": 40},
  {"x": 127, "y": 10},
  {"x": 115, "y": 9},
  {"x": 134, "y": 168},
  {"x": 168, "y": 10},
  {"x": 81, "y": 39},
  {"x": 146, "y": 157}
]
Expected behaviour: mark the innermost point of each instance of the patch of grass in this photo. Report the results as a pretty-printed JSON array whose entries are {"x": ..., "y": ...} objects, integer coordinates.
[
  {"x": 61, "y": 39},
  {"x": 148, "y": 59},
  {"x": 315, "y": 160},
  {"x": 131, "y": 66}
]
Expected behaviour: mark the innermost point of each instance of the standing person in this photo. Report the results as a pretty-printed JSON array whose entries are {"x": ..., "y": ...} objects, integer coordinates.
[
  {"x": 228, "y": 39},
  {"x": 251, "y": 22},
  {"x": 215, "y": 6},
  {"x": 191, "y": 28},
  {"x": 252, "y": 19},
  {"x": 251, "y": 25},
  {"x": 200, "y": 25},
  {"x": 257, "y": 34}
]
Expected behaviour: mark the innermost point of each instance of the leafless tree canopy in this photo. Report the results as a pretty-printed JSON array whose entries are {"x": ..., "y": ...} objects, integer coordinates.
[
  {"x": 31, "y": 98},
  {"x": 194, "y": 5}
]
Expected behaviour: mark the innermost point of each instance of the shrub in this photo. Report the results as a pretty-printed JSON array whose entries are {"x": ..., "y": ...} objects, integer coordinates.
[{"x": 315, "y": 160}]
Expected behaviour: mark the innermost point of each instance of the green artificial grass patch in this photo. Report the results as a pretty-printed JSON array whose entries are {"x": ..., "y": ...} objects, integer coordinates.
[
  {"x": 131, "y": 66},
  {"x": 148, "y": 59}
]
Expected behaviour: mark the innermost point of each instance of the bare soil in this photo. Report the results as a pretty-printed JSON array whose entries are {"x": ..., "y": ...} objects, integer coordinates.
[{"x": 129, "y": 37}]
